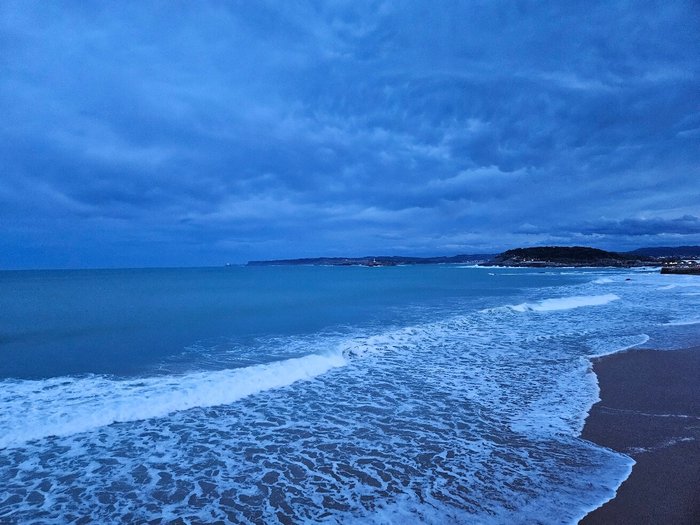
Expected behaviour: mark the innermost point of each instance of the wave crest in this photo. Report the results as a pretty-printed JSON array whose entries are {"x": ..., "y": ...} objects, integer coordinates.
[
  {"x": 565, "y": 303},
  {"x": 65, "y": 405}
]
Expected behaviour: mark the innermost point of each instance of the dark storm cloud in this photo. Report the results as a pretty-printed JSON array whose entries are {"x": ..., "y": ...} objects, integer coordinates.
[
  {"x": 179, "y": 133},
  {"x": 685, "y": 225}
]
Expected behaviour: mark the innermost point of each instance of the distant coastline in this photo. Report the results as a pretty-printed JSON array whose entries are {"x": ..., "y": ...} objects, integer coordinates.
[
  {"x": 375, "y": 260},
  {"x": 684, "y": 259}
]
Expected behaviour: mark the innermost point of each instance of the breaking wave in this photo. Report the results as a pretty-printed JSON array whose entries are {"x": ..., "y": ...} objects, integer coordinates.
[
  {"x": 565, "y": 303},
  {"x": 62, "y": 406}
]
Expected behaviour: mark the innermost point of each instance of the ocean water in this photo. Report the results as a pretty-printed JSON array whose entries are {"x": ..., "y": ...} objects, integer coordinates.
[{"x": 418, "y": 394}]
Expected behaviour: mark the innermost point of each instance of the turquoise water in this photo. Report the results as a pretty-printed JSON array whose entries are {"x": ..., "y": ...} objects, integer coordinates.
[
  {"x": 429, "y": 394},
  {"x": 124, "y": 322}
]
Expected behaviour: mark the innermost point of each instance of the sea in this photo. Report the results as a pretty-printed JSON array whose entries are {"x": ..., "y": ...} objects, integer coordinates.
[{"x": 308, "y": 394}]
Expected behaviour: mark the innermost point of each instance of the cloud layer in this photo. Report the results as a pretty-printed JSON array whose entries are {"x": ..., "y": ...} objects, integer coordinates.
[{"x": 177, "y": 133}]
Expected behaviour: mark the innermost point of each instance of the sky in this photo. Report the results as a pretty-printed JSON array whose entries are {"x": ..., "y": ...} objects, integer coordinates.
[{"x": 200, "y": 133}]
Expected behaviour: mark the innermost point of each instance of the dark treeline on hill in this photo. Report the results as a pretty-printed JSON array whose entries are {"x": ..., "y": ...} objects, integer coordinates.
[
  {"x": 586, "y": 256},
  {"x": 556, "y": 253},
  {"x": 563, "y": 255}
]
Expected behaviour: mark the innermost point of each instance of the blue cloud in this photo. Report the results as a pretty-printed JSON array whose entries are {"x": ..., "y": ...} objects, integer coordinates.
[{"x": 229, "y": 131}]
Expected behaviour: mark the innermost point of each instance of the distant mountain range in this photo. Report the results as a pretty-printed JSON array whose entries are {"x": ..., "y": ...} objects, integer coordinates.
[{"x": 679, "y": 251}]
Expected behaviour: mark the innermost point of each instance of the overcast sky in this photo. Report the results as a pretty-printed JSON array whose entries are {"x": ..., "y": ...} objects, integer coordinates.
[{"x": 198, "y": 133}]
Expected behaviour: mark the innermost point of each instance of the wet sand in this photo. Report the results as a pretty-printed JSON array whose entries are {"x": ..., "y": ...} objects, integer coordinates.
[{"x": 650, "y": 410}]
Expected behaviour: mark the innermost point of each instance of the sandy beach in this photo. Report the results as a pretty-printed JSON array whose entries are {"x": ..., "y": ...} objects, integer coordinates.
[{"x": 650, "y": 410}]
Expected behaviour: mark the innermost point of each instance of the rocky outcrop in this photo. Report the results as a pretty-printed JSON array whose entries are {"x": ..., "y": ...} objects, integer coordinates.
[{"x": 688, "y": 269}]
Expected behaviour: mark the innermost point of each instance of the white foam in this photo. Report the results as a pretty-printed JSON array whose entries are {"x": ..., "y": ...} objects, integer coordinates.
[
  {"x": 623, "y": 343},
  {"x": 681, "y": 284},
  {"x": 628, "y": 464},
  {"x": 62, "y": 406},
  {"x": 565, "y": 303},
  {"x": 603, "y": 280},
  {"x": 682, "y": 322},
  {"x": 397, "y": 339}
]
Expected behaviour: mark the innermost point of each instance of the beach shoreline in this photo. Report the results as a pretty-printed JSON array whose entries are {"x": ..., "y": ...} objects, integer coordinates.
[{"x": 649, "y": 409}]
